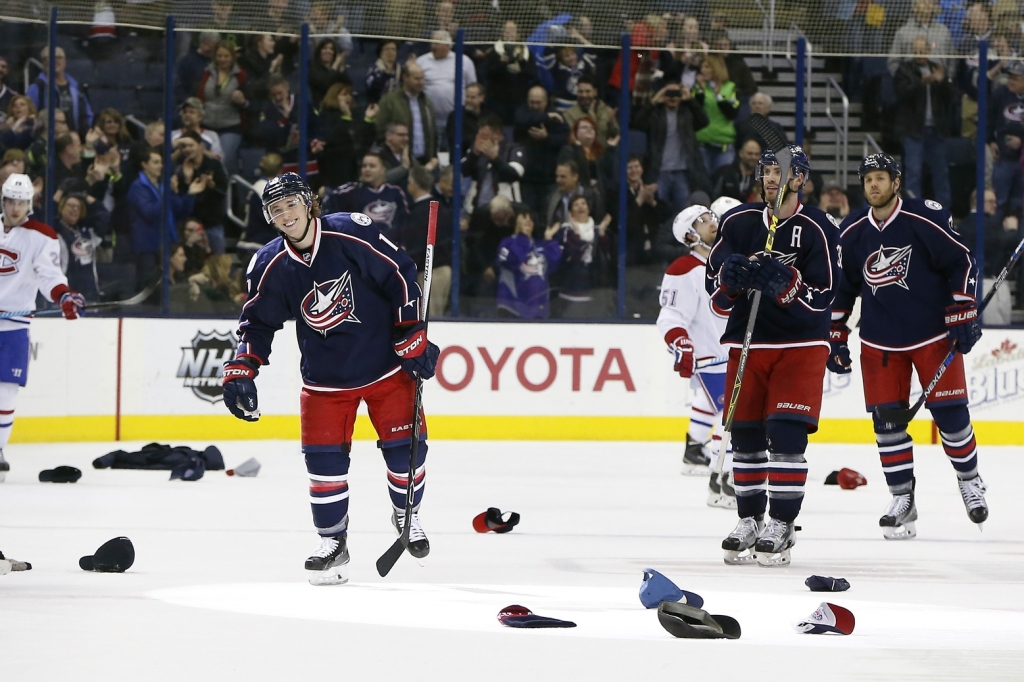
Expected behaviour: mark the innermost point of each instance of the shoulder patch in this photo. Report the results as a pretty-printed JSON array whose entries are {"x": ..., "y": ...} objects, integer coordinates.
[
  {"x": 361, "y": 219},
  {"x": 934, "y": 205}
]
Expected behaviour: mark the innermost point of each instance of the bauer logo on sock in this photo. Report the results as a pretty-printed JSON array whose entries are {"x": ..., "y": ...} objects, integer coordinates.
[{"x": 825, "y": 619}]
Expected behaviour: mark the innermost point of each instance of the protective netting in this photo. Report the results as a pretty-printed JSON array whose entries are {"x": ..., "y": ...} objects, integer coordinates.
[{"x": 833, "y": 27}]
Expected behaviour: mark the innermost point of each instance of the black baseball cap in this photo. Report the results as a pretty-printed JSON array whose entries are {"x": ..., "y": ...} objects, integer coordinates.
[{"x": 113, "y": 556}]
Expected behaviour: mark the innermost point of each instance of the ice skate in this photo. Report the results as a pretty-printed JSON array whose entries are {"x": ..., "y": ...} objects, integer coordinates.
[
  {"x": 8, "y": 565},
  {"x": 898, "y": 520},
  {"x": 695, "y": 461},
  {"x": 773, "y": 543},
  {"x": 4, "y": 467},
  {"x": 419, "y": 546},
  {"x": 973, "y": 491},
  {"x": 720, "y": 491},
  {"x": 739, "y": 545},
  {"x": 328, "y": 564}
]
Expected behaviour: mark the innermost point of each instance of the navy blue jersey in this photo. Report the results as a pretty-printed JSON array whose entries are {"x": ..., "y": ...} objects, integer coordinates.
[
  {"x": 906, "y": 272},
  {"x": 387, "y": 206},
  {"x": 808, "y": 241},
  {"x": 346, "y": 295}
]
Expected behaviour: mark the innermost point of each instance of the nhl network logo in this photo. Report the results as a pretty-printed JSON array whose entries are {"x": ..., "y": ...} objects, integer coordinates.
[{"x": 203, "y": 361}]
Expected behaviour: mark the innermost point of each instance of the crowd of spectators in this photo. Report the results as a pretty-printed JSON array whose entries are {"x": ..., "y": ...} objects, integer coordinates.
[{"x": 541, "y": 144}]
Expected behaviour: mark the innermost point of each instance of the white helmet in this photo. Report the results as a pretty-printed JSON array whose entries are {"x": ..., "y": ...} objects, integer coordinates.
[
  {"x": 18, "y": 186},
  {"x": 682, "y": 226},
  {"x": 723, "y": 205}
]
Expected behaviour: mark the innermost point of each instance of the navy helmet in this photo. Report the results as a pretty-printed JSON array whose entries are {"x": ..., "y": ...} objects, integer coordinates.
[
  {"x": 799, "y": 162},
  {"x": 879, "y": 162},
  {"x": 285, "y": 185}
]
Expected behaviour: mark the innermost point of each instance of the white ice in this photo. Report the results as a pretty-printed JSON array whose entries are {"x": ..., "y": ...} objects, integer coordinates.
[{"x": 218, "y": 592}]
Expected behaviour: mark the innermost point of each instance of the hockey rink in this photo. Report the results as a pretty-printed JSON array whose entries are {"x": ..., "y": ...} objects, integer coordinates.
[{"x": 218, "y": 592}]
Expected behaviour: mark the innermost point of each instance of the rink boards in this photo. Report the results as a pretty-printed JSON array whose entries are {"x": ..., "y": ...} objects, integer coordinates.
[{"x": 158, "y": 379}]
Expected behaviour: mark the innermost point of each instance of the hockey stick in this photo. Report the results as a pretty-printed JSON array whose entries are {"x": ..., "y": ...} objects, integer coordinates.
[
  {"x": 711, "y": 362},
  {"x": 389, "y": 558},
  {"x": 784, "y": 157},
  {"x": 903, "y": 415},
  {"x": 40, "y": 312}
]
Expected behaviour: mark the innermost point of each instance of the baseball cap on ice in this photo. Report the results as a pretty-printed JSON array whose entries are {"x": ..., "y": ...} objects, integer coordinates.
[
  {"x": 827, "y": 618},
  {"x": 656, "y": 588},
  {"x": 113, "y": 556}
]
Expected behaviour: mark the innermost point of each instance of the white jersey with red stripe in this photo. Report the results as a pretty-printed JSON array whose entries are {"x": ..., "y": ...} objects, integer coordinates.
[
  {"x": 29, "y": 262},
  {"x": 686, "y": 304}
]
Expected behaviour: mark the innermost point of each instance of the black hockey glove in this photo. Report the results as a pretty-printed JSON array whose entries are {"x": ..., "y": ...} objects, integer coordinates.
[
  {"x": 738, "y": 272},
  {"x": 240, "y": 388},
  {"x": 778, "y": 280},
  {"x": 418, "y": 356},
  {"x": 963, "y": 325},
  {"x": 839, "y": 361}
]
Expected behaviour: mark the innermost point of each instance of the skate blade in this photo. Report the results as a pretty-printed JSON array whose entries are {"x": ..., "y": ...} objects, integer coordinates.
[
  {"x": 336, "y": 575},
  {"x": 720, "y": 501},
  {"x": 3, "y": 476},
  {"x": 5, "y": 567},
  {"x": 776, "y": 560},
  {"x": 908, "y": 531},
  {"x": 736, "y": 557},
  {"x": 696, "y": 470}
]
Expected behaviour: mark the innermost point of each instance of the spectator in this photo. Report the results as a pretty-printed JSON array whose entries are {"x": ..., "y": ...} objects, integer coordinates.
[
  {"x": 37, "y": 152},
  {"x": 834, "y": 201},
  {"x": 78, "y": 246},
  {"x": 718, "y": 95},
  {"x": 977, "y": 27},
  {"x": 439, "y": 76},
  {"x": 672, "y": 119},
  {"x": 1005, "y": 134},
  {"x": 260, "y": 63},
  {"x": 496, "y": 165},
  {"x": 567, "y": 187},
  {"x": 510, "y": 72},
  {"x": 486, "y": 228},
  {"x": 68, "y": 151},
  {"x": 444, "y": 17},
  {"x": 384, "y": 203},
  {"x": 278, "y": 127},
  {"x": 197, "y": 245},
  {"x": 146, "y": 209},
  {"x": 414, "y": 239},
  {"x": 194, "y": 163},
  {"x": 409, "y": 105},
  {"x": 191, "y": 113},
  {"x": 644, "y": 58},
  {"x": 223, "y": 19},
  {"x": 222, "y": 90},
  {"x": 737, "y": 179},
  {"x": 192, "y": 66},
  {"x": 542, "y": 134},
  {"x": 215, "y": 284},
  {"x": 739, "y": 71},
  {"x": 152, "y": 138},
  {"x": 683, "y": 63},
  {"x": 585, "y": 258},
  {"x": 16, "y": 160},
  {"x": 471, "y": 113},
  {"x": 284, "y": 19},
  {"x": 326, "y": 68},
  {"x": 644, "y": 215},
  {"x": 18, "y": 127},
  {"x": 342, "y": 135},
  {"x": 322, "y": 23},
  {"x": 566, "y": 71},
  {"x": 588, "y": 104},
  {"x": 257, "y": 231},
  {"x": 1001, "y": 238},
  {"x": 925, "y": 113},
  {"x": 922, "y": 24},
  {"x": 444, "y": 188},
  {"x": 760, "y": 103},
  {"x": 110, "y": 132},
  {"x": 6, "y": 94},
  {"x": 178, "y": 262},
  {"x": 596, "y": 163},
  {"x": 385, "y": 74},
  {"x": 395, "y": 153},
  {"x": 524, "y": 268}
]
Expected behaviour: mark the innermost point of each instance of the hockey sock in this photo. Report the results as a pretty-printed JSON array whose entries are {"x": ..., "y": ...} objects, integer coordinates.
[
  {"x": 8, "y": 397},
  {"x": 396, "y": 456},
  {"x": 701, "y": 423},
  {"x": 896, "y": 450},
  {"x": 787, "y": 470},
  {"x": 750, "y": 471},
  {"x": 958, "y": 439},
  {"x": 328, "y": 487}
]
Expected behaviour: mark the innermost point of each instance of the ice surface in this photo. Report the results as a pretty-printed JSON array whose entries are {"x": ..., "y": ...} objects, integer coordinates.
[{"x": 218, "y": 592}]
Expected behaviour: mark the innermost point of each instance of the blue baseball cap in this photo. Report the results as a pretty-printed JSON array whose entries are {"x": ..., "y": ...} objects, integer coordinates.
[{"x": 656, "y": 588}]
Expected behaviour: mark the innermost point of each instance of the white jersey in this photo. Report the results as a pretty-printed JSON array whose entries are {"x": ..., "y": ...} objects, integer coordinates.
[
  {"x": 685, "y": 304},
  {"x": 29, "y": 262}
]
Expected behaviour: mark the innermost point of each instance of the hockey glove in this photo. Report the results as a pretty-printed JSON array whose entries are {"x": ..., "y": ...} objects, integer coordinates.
[
  {"x": 418, "y": 356},
  {"x": 963, "y": 326},
  {"x": 738, "y": 272},
  {"x": 839, "y": 361},
  {"x": 240, "y": 388},
  {"x": 681, "y": 347},
  {"x": 778, "y": 280},
  {"x": 71, "y": 302}
]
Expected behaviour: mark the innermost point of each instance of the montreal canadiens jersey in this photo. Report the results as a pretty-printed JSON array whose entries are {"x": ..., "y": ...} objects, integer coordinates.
[
  {"x": 346, "y": 295},
  {"x": 808, "y": 241},
  {"x": 686, "y": 304},
  {"x": 387, "y": 206},
  {"x": 29, "y": 262},
  {"x": 906, "y": 271}
]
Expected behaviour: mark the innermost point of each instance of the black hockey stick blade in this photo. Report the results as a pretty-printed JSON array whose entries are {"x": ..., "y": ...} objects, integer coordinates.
[
  {"x": 389, "y": 558},
  {"x": 769, "y": 132}
]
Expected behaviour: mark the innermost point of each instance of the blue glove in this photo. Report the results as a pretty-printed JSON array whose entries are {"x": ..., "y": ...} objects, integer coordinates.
[
  {"x": 418, "y": 356},
  {"x": 839, "y": 361},
  {"x": 778, "y": 280},
  {"x": 962, "y": 325},
  {"x": 240, "y": 389},
  {"x": 738, "y": 272}
]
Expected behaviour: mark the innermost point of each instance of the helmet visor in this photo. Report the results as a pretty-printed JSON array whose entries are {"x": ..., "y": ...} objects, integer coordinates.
[{"x": 285, "y": 211}]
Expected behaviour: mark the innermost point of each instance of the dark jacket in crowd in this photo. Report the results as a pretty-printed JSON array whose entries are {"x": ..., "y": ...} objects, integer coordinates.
[
  {"x": 541, "y": 155},
  {"x": 414, "y": 234},
  {"x": 209, "y": 204},
  {"x": 508, "y": 80},
  {"x": 642, "y": 226},
  {"x": 345, "y": 142},
  {"x": 911, "y": 102},
  {"x": 1005, "y": 117},
  {"x": 690, "y": 117}
]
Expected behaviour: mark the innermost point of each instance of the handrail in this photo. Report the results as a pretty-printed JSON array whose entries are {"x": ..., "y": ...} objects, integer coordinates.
[
  {"x": 137, "y": 122},
  {"x": 31, "y": 61},
  {"x": 869, "y": 139},
  {"x": 232, "y": 181},
  {"x": 767, "y": 33},
  {"x": 843, "y": 133},
  {"x": 796, "y": 31}
]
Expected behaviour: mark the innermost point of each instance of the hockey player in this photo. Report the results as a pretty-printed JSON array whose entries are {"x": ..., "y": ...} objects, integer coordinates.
[
  {"x": 355, "y": 301},
  {"x": 29, "y": 262},
  {"x": 918, "y": 286},
  {"x": 781, "y": 390},
  {"x": 692, "y": 327}
]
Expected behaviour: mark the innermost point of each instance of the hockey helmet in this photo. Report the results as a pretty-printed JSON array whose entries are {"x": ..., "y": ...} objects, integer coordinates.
[
  {"x": 879, "y": 162},
  {"x": 799, "y": 161},
  {"x": 723, "y": 205},
  {"x": 284, "y": 185},
  {"x": 18, "y": 186},
  {"x": 683, "y": 225}
]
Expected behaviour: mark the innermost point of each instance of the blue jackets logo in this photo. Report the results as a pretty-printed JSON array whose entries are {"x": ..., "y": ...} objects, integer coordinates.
[
  {"x": 330, "y": 304},
  {"x": 888, "y": 265},
  {"x": 202, "y": 363}
]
